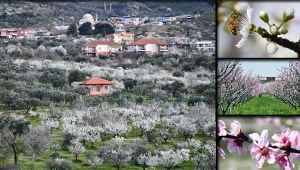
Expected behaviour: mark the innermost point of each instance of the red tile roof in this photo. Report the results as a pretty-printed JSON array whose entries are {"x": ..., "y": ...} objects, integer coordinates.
[
  {"x": 145, "y": 41},
  {"x": 96, "y": 81},
  {"x": 98, "y": 42},
  {"x": 112, "y": 35}
]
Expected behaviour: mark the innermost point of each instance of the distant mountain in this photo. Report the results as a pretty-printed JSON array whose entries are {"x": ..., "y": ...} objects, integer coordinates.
[{"x": 48, "y": 14}]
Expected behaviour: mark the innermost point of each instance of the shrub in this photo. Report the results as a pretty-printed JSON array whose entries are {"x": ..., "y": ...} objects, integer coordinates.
[
  {"x": 178, "y": 73},
  {"x": 139, "y": 100},
  {"x": 193, "y": 100}
]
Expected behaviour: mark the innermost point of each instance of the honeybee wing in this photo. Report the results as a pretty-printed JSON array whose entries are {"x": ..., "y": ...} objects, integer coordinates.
[{"x": 233, "y": 21}]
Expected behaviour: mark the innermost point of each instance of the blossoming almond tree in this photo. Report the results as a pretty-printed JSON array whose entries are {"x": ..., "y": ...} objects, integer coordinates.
[{"x": 287, "y": 86}]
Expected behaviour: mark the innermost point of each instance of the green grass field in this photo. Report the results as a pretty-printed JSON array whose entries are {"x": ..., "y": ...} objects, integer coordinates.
[{"x": 266, "y": 104}]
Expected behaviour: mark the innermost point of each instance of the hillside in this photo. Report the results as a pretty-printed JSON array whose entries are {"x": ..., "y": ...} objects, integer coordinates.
[{"x": 46, "y": 14}]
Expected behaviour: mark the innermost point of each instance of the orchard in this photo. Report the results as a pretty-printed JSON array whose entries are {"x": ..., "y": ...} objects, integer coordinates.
[
  {"x": 234, "y": 86},
  {"x": 242, "y": 93}
]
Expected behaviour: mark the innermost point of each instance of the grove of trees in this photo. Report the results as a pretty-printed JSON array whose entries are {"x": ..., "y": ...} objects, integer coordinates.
[
  {"x": 287, "y": 86},
  {"x": 153, "y": 117},
  {"x": 234, "y": 86}
]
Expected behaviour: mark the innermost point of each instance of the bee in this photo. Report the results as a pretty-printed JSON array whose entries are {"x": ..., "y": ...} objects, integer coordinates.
[{"x": 235, "y": 21}]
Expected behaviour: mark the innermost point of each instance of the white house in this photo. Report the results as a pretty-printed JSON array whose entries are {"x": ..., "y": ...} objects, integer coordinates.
[
  {"x": 96, "y": 47},
  {"x": 121, "y": 38},
  {"x": 148, "y": 46}
]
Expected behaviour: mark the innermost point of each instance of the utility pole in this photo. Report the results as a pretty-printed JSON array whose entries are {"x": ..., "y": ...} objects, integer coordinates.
[
  {"x": 110, "y": 7},
  {"x": 104, "y": 7}
]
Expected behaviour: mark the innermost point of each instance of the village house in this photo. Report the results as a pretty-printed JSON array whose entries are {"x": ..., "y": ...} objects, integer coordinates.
[
  {"x": 128, "y": 21},
  {"x": 32, "y": 30},
  {"x": 148, "y": 46},
  {"x": 3, "y": 34},
  {"x": 203, "y": 46},
  {"x": 115, "y": 20},
  {"x": 167, "y": 20},
  {"x": 43, "y": 33},
  {"x": 121, "y": 38},
  {"x": 98, "y": 86},
  {"x": 96, "y": 47}
]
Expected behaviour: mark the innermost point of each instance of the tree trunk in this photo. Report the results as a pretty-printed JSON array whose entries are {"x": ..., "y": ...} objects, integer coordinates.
[
  {"x": 92, "y": 143},
  {"x": 119, "y": 167},
  {"x": 15, "y": 154}
]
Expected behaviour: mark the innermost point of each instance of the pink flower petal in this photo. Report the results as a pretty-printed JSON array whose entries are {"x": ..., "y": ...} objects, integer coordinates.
[
  {"x": 293, "y": 136},
  {"x": 271, "y": 158},
  {"x": 221, "y": 151},
  {"x": 286, "y": 132},
  {"x": 260, "y": 160},
  {"x": 235, "y": 128},
  {"x": 231, "y": 147}
]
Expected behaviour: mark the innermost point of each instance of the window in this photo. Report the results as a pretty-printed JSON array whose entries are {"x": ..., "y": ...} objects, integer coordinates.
[
  {"x": 97, "y": 88},
  {"x": 99, "y": 48},
  {"x": 91, "y": 88},
  {"x": 105, "y": 88}
]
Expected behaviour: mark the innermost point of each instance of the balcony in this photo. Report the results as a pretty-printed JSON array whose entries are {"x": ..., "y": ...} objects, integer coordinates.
[
  {"x": 163, "y": 49},
  {"x": 139, "y": 49},
  {"x": 89, "y": 51}
]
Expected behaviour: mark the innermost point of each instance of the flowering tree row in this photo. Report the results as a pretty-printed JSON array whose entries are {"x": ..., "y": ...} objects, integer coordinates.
[
  {"x": 235, "y": 87},
  {"x": 96, "y": 124},
  {"x": 287, "y": 86},
  {"x": 281, "y": 150}
]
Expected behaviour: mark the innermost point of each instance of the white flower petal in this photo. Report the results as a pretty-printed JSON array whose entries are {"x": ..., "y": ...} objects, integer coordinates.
[
  {"x": 250, "y": 14},
  {"x": 245, "y": 31},
  {"x": 241, "y": 42}
]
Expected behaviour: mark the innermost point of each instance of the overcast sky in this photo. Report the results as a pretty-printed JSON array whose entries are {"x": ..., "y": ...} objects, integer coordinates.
[{"x": 265, "y": 68}]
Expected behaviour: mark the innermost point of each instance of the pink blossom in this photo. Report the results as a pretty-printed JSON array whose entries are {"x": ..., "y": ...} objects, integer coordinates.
[
  {"x": 221, "y": 128},
  {"x": 235, "y": 144},
  {"x": 221, "y": 151},
  {"x": 221, "y": 132},
  {"x": 255, "y": 137},
  {"x": 285, "y": 139},
  {"x": 260, "y": 150},
  {"x": 284, "y": 162}
]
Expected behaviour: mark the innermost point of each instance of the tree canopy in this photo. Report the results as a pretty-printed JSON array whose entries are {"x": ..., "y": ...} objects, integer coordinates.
[
  {"x": 103, "y": 29},
  {"x": 72, "y": 30},
  {"x": 86, "y": 29}
]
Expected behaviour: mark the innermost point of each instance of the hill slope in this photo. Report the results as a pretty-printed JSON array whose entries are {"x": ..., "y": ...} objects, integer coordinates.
[{"x": 36, "y": 14}]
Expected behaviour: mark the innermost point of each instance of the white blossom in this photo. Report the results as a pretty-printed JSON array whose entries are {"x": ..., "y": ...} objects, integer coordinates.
[
  {"x": 245, "y": 26},
  {"x": 76, "y": 147},
  {"x": 170, "y": 158}
]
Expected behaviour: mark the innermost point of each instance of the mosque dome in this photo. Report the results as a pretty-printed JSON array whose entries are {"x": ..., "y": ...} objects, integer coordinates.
[{"x": 88, "y": 17}]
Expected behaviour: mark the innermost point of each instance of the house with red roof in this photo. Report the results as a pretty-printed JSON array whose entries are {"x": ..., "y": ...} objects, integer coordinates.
[
  {"x": 96, "y": 47},
  {"x": 98, "y": 86},
  {"x": 22, "y": 33},
  {"x": 121, "y": 38},
  {"x": 3, "y": 34},
  {"x": 148, "y": 46}
]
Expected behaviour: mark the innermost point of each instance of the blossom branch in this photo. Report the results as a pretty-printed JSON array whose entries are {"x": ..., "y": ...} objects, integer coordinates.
[
  {"x": 295, "y": 46},
  {"x": 247, "y": 139}
]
